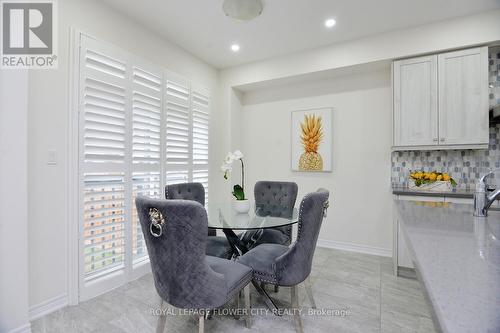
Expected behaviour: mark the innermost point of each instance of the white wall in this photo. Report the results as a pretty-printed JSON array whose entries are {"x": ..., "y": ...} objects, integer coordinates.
[
  {"x": 48, "y": 129},
  {"x": 360, "y": 182},
  {"x": 13, "y": 201}
]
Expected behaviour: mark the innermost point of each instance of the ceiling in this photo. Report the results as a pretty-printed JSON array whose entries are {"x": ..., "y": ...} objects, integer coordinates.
[{"x": 285, "y": 26}]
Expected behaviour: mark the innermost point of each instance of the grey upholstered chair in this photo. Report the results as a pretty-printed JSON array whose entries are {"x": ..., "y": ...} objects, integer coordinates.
[
  {"x": 281, "y": 265},
  {"x": 175, "y": 232},
  {"x": 275, "y": 199},
  {"x": 216, "y": 246}
]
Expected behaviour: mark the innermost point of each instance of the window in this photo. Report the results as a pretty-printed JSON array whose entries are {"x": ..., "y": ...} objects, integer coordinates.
[
  {"x": 200, "y": 125},
  {"x": 140, "y": 128}
]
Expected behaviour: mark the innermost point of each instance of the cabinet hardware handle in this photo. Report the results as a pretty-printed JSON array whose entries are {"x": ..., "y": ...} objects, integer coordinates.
[
  {"x": 435, "y": 139},
  {"x": 443, "y": 139}
]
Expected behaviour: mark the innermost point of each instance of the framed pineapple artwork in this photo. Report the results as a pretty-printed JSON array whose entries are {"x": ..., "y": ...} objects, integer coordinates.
[{"x": 312, "y": 140}]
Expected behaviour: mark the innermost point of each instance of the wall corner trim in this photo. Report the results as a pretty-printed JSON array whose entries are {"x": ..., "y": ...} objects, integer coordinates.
[
  {"x": 377, "y": 251},
  {"x": 48, "y": 306}
]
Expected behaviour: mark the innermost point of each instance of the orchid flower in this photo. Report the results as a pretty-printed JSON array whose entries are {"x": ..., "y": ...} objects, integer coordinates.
[{"x": 227, "y": 166}]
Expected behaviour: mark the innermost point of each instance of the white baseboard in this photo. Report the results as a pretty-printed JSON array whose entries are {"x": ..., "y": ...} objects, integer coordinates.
[
  {"x": 26, "y": 328},
  {"x": 377, "y": 251},
  {"x": 48, "y": 306}
]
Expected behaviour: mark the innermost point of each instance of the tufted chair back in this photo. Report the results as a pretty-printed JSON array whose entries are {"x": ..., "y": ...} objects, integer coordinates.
[
  {"x": 276, "y": 199},
  {"x": 294, "y": 266},
  {"x": 188, "y": 191},
  {"x": 180, "y": 271}
]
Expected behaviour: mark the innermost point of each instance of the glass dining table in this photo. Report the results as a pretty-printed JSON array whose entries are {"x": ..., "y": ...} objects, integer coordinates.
[{"x": 223, "y": 216}]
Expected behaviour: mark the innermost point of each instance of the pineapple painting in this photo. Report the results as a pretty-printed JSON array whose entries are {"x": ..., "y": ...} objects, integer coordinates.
[
  {"x": 311, "y": 140},
  {"x": 311, "y": 136}
]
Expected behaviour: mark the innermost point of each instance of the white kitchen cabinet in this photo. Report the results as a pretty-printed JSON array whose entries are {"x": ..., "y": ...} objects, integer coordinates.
[
  {"x": 402, "y": 259},
  {"x": 463, "y": 97},
  {"x": 441, "y": 101},
  {"x": 415, "y": 102}
]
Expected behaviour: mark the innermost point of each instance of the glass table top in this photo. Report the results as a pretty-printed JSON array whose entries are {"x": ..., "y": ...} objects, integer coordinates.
[{"x": 224, "y": 216}]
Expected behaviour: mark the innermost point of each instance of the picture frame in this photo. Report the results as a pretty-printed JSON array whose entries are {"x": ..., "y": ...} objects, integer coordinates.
[{"x": 312, "y": 140}]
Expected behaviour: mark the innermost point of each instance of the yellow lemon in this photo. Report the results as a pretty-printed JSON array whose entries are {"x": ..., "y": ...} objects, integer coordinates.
[
  {"x": 439, "y": 177},
  {"x": 432, "y": 176},
  {"x": 446, "y": 177}
]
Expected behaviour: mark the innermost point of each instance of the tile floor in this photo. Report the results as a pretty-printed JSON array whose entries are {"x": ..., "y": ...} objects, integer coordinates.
[{"x": 363, "y": 285}]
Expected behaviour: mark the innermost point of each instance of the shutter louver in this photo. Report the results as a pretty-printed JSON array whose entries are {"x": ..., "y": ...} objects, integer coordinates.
[
  {"x": 104, "y": 222},
  {"x": 104, "y": 108},
  {"x": 178, "y": 119},
  {"x": 200, "y": 134},
  {"x": 146, "y": 147},
  {"x": 146, "y": 105}
]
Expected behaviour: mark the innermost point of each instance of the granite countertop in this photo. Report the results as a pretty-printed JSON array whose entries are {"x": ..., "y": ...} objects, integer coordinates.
[
  {"x": 404, "y": 190},
  {"x": 457, "y": 258}
]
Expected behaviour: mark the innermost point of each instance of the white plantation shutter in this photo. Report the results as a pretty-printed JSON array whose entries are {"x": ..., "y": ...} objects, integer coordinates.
[
  {"x": 139, "y": 129},
  {"x": 200, "y": 128},
  {"x": 103, "y": 130},
  {"x": 178, "y": 131},
  {"x": 104, "y": 108},
  {"x": 146, "y": 104},
  {"x": 146, "y": 142}
]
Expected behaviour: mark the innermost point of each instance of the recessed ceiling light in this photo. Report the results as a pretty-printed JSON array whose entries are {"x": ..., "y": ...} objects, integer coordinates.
[
  {"x": 235, "y": 47},
  {"x": 330, "y": 23}
]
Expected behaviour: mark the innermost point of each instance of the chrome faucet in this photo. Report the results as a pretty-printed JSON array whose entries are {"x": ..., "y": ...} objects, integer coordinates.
[{"x": 483, "y": 201}]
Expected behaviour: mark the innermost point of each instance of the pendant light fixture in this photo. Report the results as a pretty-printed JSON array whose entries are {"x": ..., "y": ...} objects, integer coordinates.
[{"x": 242, "y": 10}]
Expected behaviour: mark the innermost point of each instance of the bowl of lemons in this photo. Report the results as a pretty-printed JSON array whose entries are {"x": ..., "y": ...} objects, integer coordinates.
[{"x": 431, "y": 181}]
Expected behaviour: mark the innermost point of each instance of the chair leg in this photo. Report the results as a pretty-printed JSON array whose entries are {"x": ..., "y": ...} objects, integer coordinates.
[
  {"x": 162, "y": 319},
  {"x": 248, "y": 318},
  {"x": 276, "y": 288},
  {"x": 295, "y": 308},
  {"x": 269, "y": 302},
  {"x": 209, "y": 314},
  {"x": 238, "y": 306},
  {"x": 201, "y": 323},
  {"x": 308, "y": 285}
]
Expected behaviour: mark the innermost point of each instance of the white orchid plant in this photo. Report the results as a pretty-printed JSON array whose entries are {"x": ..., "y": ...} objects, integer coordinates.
[{"x": 227, "y": 167}]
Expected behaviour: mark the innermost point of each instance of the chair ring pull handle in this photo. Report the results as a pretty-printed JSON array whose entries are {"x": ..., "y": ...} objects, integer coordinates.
[
  {"x": 158, "y": 226},
  {"x": 326, "y": 205}
]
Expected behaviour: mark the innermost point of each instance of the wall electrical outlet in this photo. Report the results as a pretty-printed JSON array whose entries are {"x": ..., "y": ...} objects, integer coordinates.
[{"x": 52, "y": 157}]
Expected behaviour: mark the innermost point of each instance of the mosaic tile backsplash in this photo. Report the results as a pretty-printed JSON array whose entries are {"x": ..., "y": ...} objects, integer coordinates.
[
  {"x": 464, "y": 166},
  {"x": 494, "y": 63}
]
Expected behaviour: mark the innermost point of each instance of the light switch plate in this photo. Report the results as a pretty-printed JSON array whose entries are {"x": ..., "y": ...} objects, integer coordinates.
[{"x": 52, "y": 157}]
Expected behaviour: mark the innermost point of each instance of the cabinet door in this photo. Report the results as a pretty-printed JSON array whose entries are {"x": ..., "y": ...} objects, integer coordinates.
[
  {"x": 415, "y": 102},
  {"x": 463, "y": 97}
]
